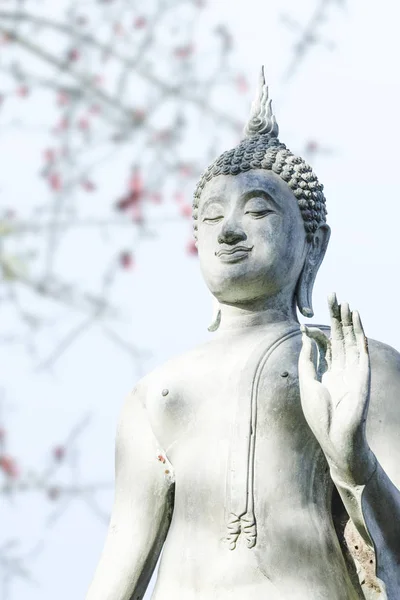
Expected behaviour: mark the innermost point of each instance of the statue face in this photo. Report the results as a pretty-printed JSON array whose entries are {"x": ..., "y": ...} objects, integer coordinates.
[{"x": 251, "y": 237}]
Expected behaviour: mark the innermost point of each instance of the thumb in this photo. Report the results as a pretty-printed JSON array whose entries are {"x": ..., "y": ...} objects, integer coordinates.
[{"x": 307, "y": 358}]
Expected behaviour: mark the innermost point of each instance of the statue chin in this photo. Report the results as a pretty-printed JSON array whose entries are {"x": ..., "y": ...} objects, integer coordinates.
[
  {"x": 246, "y": 287},
  {"x": 238, "y": 293}
]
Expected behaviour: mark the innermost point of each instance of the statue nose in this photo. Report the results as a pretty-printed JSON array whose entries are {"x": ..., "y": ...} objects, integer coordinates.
[{"x": 231, "y": 234}]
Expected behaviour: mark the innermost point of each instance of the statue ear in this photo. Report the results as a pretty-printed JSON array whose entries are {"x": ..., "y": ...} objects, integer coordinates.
[{"x": 314, "y": 258}]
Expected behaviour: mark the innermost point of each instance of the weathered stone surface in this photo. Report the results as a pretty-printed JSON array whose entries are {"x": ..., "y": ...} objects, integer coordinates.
[{"x": 264, "y": 462}]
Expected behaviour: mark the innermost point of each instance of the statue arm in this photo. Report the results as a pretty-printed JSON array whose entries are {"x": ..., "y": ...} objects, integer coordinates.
[
  {"x": 374, "y": 508},
  {"x": 141, "y": 512},
  {"x": 335, "y": 390}
]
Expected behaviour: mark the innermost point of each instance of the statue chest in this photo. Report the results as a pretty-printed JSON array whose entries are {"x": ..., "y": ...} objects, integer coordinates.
[
  {"x": 231, "y": 407},
  {"x": 232, "y": 426},
  {"x": 219, "y": 380}
]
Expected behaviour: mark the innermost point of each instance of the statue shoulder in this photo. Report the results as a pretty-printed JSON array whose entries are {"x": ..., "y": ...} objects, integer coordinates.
[
  {"x": 170, "y": 375},
  {"x": 384, "y": 358},
  {"x": 383, "y": 422},
  {"x": 385, "y": 380}
]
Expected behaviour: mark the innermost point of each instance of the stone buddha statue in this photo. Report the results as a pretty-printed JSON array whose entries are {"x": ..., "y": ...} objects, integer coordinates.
[{"x": 264, "y": 463}]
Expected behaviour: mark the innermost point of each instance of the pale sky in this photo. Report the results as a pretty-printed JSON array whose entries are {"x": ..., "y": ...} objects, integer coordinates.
[{"x": 348, "y": 100}]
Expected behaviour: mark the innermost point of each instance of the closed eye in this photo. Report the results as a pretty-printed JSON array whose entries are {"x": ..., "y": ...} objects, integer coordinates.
[
  {"x": 259, "y": 213},
  {"x": 212, "y": 219}
]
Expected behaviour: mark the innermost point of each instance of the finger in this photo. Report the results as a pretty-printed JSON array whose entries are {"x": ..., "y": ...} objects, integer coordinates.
[
  {"x": 333, "y": 305},
  {"x": 307, "y": 358},
  {"x": 337, "y": 341},
  {"x": 324, "y": 348},
  {"x": 364, "y": 364},
  {"x": 362, "y": 342},
  {"x": 317, "y": 335},
  {"x": 349, "y": 338}
]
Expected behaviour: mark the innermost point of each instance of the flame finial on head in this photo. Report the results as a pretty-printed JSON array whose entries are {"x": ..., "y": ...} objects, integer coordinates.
[{"x": 262, "y": 119}]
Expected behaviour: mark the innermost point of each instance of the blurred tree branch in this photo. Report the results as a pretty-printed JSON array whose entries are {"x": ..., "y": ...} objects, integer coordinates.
[
  {"x": 114, "y": 87},
  {"x": 94, "y": 84},
  {"x": 94, "y": 114}
]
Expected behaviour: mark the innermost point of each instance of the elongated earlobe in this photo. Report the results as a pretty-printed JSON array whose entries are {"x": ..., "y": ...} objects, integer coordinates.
[
  {"x": 216, "y": 319},
  {"x": 305, "y": 284},
  {"x": 304, "y": 292}
]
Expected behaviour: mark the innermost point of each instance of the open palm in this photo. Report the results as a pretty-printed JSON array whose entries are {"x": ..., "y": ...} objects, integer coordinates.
[{"x": 334, "y": 387}]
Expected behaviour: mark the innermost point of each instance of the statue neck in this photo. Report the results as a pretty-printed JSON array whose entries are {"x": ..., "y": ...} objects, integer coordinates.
[{"x": 256, "y": 313}]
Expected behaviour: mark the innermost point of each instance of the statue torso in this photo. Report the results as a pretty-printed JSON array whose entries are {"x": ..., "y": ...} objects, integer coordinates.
[{"x": 199, "y": 407}]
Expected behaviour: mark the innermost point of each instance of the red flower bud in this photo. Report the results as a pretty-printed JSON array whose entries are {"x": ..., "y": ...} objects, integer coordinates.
[
  {"x": 59, "y": 453},
  {"x": 184, "y": 51},
  {"x": 9, "y": 466},
  {"x": 127, "y": 202},
  {"x": 62, "y": 125},
  {"x": 23, "y": 91},
  {"x": 5, "y": 38},
  {"x": 140, "y": 22},
  {"x": 139, "y": 115},
  {"x": 73, "y": 54},
  {"x": 126, "y": 260},
  {"x": 135, "y": 182},
  {"x": 55, "y": 181},
  {"x": 83, "y": 124}
]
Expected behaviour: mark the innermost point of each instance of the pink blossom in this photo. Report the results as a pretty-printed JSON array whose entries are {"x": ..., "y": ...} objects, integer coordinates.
[{"x": 9, "y": 466}]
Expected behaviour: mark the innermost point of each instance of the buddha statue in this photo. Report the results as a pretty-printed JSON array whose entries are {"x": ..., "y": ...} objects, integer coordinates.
[{"x": 264, "y": 463}]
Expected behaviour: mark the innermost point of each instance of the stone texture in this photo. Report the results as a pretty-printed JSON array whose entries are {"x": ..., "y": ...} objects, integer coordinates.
[{"x": 264, "y": 462}]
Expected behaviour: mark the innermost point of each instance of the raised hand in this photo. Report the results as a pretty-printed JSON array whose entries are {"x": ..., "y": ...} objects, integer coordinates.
[{"x": 334, "y": 387}]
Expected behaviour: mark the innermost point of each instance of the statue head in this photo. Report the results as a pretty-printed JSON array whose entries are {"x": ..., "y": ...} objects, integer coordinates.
[{"x": 260, "y": 217}]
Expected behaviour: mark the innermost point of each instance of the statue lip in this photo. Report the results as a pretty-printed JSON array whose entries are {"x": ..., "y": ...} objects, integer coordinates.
[
  {"x": 234, "y": 250},
  {"x": 234, "y": 254}
]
